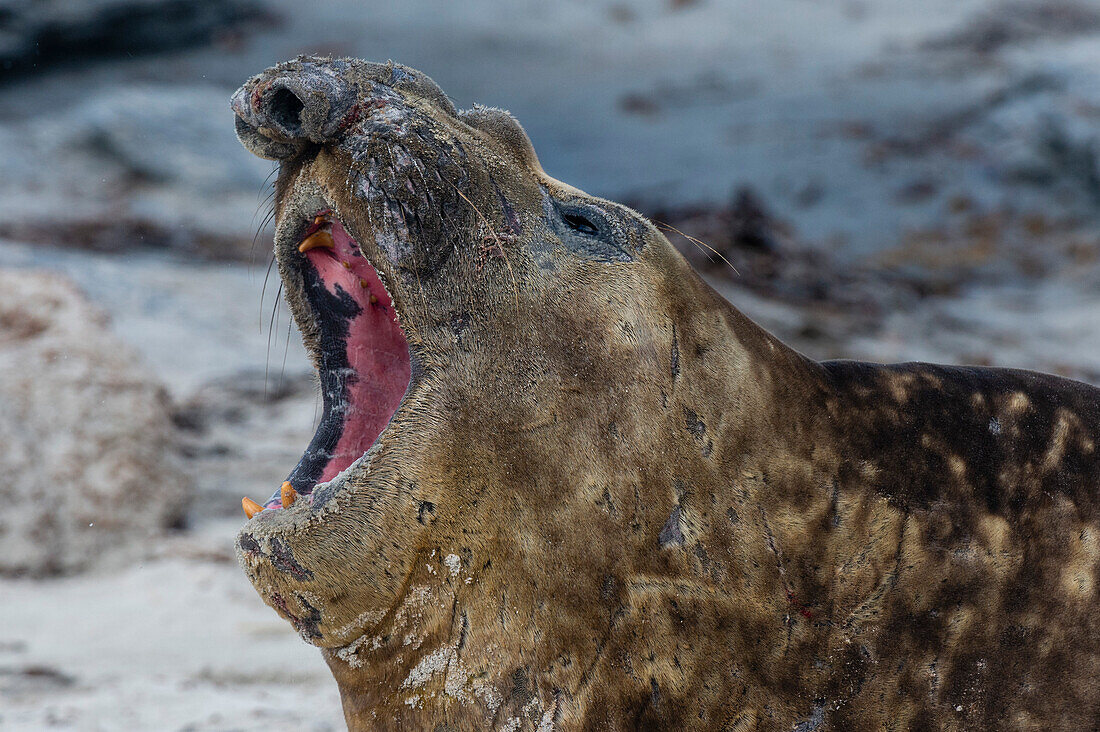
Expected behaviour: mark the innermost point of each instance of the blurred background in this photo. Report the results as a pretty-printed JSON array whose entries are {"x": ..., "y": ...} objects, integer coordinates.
[{"x": 888, "y": 181}]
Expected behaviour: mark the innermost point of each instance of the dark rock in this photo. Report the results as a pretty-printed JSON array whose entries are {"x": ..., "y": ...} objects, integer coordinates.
[
  {"x": 39, "y": 33},
  {"x": 1012, "y": 23},
  {"x": 89, "y": 475},
  {"x": 751, "y": 226}
]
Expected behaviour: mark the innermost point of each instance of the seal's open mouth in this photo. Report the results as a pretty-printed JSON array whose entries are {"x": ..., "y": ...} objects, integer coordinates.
[{"x": 363, "y": 356}]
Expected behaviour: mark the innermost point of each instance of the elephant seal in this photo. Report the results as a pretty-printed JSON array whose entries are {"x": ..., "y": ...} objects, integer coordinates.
[{"x": 560, "y": 483}]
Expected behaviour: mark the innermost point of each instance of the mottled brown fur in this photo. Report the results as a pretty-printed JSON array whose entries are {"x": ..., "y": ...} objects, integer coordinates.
[{"x": 610, "y": 501}]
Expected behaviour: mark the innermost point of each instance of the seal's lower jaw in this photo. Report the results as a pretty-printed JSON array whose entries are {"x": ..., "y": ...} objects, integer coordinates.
[
  {"x": 311, "y": 550},
  {"x": 352, "y": 330}
]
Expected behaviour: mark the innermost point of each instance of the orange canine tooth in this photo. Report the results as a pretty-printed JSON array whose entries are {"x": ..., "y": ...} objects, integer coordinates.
[
  {"x": 317, "y": 239},
  {"x": 288, "y": 494},
  {"x": 373, "y": 298},
  {"x": 347, "y": 265},
  {"x": 251, "y": 508},
  {"x": 363, "y": 284}
]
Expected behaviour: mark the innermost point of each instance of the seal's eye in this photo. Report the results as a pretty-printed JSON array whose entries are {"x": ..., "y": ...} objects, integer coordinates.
[
  {"x": 581, "y": 224},
  {"x": 588, "y": 229}
]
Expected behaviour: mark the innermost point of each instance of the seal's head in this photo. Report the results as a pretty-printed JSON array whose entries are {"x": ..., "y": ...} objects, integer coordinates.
[{"x": 465, "y": 313}]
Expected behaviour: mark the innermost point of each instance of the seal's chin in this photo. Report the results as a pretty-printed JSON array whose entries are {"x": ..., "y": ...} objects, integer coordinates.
[{"x": 361, "y": 352}]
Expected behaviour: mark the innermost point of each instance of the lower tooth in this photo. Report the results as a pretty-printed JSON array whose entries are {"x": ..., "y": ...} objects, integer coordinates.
[
  {"x": 251, "y": 508},
  {"x": 288, "y": 495}
]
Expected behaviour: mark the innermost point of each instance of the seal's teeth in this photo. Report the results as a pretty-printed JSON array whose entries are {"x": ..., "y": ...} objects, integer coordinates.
[
  {"x": 251, "y": 508},
  {"x": 288, "y": 494},
  {"x": 317, "y": 240}
]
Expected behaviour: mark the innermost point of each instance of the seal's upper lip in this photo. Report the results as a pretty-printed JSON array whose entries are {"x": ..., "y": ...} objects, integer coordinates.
[{"x": 356, "y": 340}]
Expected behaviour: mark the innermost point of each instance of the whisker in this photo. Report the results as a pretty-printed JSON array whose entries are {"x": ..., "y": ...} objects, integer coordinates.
[
  {"x": 265, "y": 196},
  {"x": 263, "y": 290},
  {"x": 270, "y": 175},
  {"x": 698, "y": 243},
  {"x": 264, "y": 202},
  {"x": 500, "y": 244},
  {"x": 270, "y": 330},
  {"x": 256, "y": 237},
  {"x": 286, "y": 350},
  {"x": 706, "y": 253}
]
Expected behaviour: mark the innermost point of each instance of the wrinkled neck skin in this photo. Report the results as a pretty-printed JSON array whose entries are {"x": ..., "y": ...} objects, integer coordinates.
[{"x": 567, "y": 513}]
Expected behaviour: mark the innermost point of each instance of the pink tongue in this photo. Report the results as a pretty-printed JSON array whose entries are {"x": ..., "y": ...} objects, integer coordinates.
[{"x": 376, "y": 349}]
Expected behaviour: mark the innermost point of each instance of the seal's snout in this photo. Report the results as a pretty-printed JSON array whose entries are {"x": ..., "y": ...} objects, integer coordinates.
[{"x": 292, "y": 105}]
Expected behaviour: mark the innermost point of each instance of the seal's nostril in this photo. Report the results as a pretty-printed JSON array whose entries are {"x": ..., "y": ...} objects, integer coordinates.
[
  {"x": 285, "y": 109},
  {"x": 295, "y": 104}
]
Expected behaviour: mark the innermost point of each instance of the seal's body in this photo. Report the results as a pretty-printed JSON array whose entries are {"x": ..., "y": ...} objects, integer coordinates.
[{"x": 595, "y": 495}]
